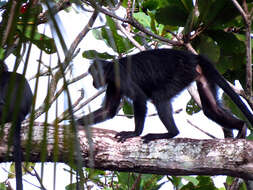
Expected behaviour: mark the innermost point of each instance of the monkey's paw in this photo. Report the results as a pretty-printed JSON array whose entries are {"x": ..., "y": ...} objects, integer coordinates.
[{"x": 124, "y": 135}]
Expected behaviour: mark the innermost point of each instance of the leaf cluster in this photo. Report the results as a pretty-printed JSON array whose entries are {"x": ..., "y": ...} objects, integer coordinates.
[{"x": 19, "y": 26}]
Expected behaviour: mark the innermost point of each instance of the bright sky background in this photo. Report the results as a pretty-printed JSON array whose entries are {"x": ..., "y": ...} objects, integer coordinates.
[{"x": 73, "y": 23}]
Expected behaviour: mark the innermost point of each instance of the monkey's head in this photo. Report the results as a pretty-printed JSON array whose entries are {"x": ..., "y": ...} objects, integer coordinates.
[{"x": 97, "y": 71}]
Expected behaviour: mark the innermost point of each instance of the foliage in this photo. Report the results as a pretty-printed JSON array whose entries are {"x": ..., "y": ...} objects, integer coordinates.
[
  {"x": 122, "y": 180},
  {"x": 24, "y": 27}
]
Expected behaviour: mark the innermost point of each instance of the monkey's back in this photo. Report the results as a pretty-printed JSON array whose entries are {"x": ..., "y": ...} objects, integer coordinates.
[{"x": 158, "y": 71}]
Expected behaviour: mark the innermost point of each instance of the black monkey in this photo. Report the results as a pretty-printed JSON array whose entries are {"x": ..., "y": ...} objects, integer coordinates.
[
  {"x": 159, "y": 75},
  {"x": 15, "y": 103}
]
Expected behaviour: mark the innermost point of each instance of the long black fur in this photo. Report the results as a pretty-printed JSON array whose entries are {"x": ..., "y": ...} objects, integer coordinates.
[{"x": 159, "y": 75}]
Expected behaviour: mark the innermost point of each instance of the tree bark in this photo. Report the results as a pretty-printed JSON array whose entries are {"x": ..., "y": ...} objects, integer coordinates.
[{"x": 178, "y": 156}]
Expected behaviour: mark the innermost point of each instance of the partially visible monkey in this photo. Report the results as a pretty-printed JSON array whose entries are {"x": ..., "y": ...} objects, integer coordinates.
[
  {"x": 15, "y": 103},
  {"x": 159, "y": 75}
]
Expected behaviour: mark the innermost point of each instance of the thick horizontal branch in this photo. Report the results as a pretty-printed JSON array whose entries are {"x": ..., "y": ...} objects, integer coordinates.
[{"x": 176, "y": 156}]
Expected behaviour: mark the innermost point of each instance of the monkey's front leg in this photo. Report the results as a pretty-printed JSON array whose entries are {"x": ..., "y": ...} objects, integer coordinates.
[
  {"x": 97, "y": 116},
  {"x": 108, "y": 111},
  {"x": 139, "y": 118}
]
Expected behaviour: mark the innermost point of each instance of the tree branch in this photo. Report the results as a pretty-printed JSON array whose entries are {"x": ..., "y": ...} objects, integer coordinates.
[
  {"x": 134, "y": 23},
  {"x": 233, "y": 157}
]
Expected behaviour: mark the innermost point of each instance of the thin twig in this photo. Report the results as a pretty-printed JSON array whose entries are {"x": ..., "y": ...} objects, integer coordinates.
[
  {"x": 195, "y": 126},
  {"x": 37, "y": 177},
  {"x": 240, "y": 9},
  {"x": 127, "y": 34},
  {"x": 65, "y": 114},
  {"x": 89, "y": 100},
  {"x": 136, "y": 24}
]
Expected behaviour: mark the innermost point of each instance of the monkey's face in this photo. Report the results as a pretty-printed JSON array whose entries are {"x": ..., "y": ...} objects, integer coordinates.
[{"x": 97, "y": 72}]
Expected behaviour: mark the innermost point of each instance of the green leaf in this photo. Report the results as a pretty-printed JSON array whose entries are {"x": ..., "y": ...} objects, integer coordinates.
[
  {"x": 208, "y": 47},
  {"x": 110, "y": 22},
  {"x": 216, "y": 12},
  {"x": 209, "y": 9},
  {"x": 193, "y": 180},
  {"x": 31, "y": 14},
  {"x": 228, "y": 41},
  {"x": 243, "y": 186},
  {"x": 126, "y": 179},
  {"x": 174, "y": 13},
  {"x": 12, "y": 175},
  {"x": 25, "y": 168},
  {"x": 150, "y": 5},
  {"x": 93, "y": 54},
  {"x": 232, "y": 54},
  {"x": 188, "y": 5},
  {"x": 44, "y": 43},
  {"x": 117, "y": 42},
  {"x": 229, "y": 180},
  {"x": 3, "y": 186},
  {"x": 128, "y": 109},
  {"x": 97, "y": 34},
  {"x": 113, "y": 40},
  {"x": 205, "y": 183},
  {"x": 2, "y": 51},
  {"x": 95, "y": 175},
  {"x": 191, "y": 22},
  {"x": 250, "y": 137},
  {"x": 28, "y": 167},
  {"x": 192, "y": 107},
  {"x": 142, "y": 18},
  {"x": 176, "y": 181},
  {"x": 124, "y": 3},
  {"x": 224, "y": 63},
  {"x": 149, "y": 181},
  {"x": 40, "y": 40}
]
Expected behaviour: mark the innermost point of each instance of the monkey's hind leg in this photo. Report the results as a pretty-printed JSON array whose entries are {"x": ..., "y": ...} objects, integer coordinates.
[{"x": 165, "y": 114}]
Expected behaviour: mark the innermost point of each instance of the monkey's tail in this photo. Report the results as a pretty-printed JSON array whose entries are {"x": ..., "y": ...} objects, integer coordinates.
[
  {"x": 17, "y": 155},
  {"x": 214, "y": 76}
]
